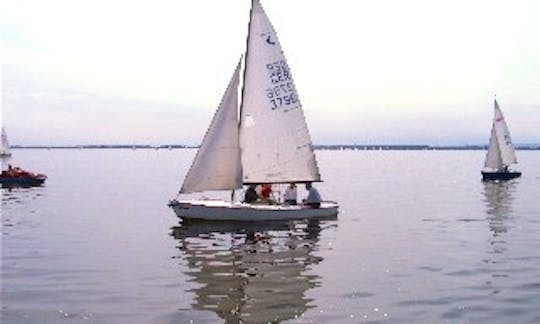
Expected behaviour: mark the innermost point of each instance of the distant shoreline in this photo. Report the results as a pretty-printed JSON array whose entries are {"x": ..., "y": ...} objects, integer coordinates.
[{"x": 336, "y": 147}]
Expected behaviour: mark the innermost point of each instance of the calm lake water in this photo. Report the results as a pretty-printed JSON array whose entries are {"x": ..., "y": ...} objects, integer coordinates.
[{"x": 419, "y": 239}]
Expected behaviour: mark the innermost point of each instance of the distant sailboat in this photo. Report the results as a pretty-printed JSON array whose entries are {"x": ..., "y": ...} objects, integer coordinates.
[
  {"x": 500, "y": 153},
  {"x": 15, "y": 176},
  {"x": 268, "y": 143},
  {"x": 4, "y": 149}
]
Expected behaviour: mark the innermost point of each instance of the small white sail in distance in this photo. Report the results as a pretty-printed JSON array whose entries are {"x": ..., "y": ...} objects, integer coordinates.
[
  {"x": 216, "y": 165},
  {"x": 4, "y": 149},
  {"x": 274, "y": 138},
  {"x": 501, "y": 150}
]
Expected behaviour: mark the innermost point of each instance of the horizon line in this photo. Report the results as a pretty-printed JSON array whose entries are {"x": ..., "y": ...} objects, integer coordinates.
[{"x": 521, "y": 146}]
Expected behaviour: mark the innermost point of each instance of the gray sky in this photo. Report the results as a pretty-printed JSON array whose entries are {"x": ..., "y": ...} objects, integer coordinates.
[{"x": 153, "y": 72}]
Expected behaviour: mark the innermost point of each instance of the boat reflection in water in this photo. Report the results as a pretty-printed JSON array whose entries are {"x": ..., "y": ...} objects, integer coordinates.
[
  {"x": 251, "y": 273},
  {"x": 498, "y": 200}
]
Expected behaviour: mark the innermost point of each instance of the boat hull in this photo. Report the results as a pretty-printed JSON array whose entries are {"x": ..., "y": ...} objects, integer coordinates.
[
  {"x": 226, "y": 211},
  {"x": 491, "y": 176},
  {"x": 22, "y": 181}
]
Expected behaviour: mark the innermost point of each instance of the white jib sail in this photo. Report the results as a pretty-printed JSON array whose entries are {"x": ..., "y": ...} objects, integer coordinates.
[
  {"x": 493, "y": 157},
  {"x": 4, "y": 149},
  {"x": 508, "y": 155},
  {"x": 216, "y": 165},
  {"x": 274, "y": 139}
]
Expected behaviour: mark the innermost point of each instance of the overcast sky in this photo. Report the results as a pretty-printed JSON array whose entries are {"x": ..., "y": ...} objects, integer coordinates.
[{"x": 153, "y": 72}]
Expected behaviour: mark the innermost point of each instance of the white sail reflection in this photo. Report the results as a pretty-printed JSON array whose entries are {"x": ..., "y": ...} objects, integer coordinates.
[
  {"x": 251, "y": 273},
  {"x": 498, "y": 200}
]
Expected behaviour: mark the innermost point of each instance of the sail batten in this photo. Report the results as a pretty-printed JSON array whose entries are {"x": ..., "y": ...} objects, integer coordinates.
[{"x": 274, "y": 138}]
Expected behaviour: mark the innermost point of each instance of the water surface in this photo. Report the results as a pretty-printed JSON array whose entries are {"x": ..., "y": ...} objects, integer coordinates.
[{"x": 419, "y": 238}]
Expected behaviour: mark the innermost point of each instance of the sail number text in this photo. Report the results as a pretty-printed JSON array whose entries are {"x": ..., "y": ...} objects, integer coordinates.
[{"x": 282, "y": 92}]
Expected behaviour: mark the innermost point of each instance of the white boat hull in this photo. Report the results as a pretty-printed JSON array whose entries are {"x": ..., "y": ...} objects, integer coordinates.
[{"x": 218, "y": 210}]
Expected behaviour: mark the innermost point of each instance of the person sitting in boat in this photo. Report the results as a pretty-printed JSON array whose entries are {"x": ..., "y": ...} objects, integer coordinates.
[
  {"x": 10, "y": 171},
  {"x": 251, "y": 195},
  {"x": 314, "y": 198},
  {"x": 266, "y": 191},
  {"x": 266, "y": 194},
  {"x": 14, "y": 171},
  {"x": 290, "y": 194}
]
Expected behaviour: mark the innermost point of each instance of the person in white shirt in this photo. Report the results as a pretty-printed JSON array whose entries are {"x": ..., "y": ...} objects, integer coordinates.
[
  {"x": 314, "y": 198},
  {"x": 290, "y": 194}
]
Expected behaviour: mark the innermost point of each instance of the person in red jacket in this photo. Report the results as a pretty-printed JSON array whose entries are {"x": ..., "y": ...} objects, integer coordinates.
[{"x": 266, "y": 191}]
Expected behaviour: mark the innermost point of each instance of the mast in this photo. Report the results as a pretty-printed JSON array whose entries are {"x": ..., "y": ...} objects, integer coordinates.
[
  {"x": 245, "y": 69},
  {"x": 243, "y": 84}
]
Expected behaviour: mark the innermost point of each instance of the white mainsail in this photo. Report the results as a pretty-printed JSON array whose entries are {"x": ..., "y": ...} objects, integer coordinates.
[
  {"x": 501, "y": 151},
  {"x": 216, "y": 165},
  {"x": 274, "y": 139},
  {"x": 4, "y": 149}
]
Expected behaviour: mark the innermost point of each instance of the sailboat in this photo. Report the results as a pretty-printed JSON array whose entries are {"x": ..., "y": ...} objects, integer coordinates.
[
  {"x": 500, "y": 154},
  {"x": 15, "y": 176},
  {"x": 4, "y": 149},
  {"x": 265, "y": 141}
]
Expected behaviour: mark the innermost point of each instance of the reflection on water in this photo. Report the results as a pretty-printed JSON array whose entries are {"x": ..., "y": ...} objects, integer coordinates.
[
  {"x": 91, "y": 245},
  {"x": 12, "y": 186},
  {"x": 251, "y": 273},
  {"x": 19, "y": 194},
  {"x": 17, "y": 198},
  {"x": 498, "y": 200}
]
